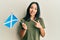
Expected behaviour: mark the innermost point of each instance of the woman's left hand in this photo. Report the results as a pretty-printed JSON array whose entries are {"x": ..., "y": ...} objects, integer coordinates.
[{"x": 37, "y": 24}]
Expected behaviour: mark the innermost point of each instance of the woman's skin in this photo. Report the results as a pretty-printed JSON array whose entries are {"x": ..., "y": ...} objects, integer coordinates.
[{"x": 33, "y": 10}]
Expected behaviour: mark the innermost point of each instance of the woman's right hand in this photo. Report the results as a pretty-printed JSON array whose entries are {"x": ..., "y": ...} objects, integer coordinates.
[{"x": 24, "y": 26}]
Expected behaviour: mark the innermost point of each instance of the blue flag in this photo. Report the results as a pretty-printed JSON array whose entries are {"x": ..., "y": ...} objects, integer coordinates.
[{"x": 10, "y": 21}]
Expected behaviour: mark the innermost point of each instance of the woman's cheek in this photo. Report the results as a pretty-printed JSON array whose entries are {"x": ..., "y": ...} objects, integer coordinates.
[{"x": 30, "y": 10}]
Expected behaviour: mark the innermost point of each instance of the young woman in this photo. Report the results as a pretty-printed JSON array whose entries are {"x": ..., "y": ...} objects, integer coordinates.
[{"x": 32, "y": 26}]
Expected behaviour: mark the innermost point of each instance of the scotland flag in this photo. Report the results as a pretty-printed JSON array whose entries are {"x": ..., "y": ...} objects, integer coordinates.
[{"x": 11, "y": 20}]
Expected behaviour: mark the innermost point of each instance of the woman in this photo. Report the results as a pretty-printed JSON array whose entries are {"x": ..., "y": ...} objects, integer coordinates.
[{"x": 32, "y": 26}]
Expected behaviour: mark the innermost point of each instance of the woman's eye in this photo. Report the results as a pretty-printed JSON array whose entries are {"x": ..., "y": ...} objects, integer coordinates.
[{"x": 35, "y": 8}]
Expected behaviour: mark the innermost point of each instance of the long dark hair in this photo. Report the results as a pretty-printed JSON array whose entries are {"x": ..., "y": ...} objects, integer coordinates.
[{"x": 28, "y": 14}]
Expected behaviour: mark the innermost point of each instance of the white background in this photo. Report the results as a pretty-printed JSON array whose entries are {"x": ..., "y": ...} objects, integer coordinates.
[{"x": 50, "y": 12}]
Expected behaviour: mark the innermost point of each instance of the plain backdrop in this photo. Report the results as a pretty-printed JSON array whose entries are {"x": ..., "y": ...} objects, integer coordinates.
[{"x": 50, "y": 12}]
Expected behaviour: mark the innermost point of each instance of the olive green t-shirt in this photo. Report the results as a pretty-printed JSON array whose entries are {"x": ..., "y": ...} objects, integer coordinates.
[{"x": 32, "y": 32}]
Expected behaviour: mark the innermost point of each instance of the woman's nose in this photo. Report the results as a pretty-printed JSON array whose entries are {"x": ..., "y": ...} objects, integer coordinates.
[{"x": 33, "y": 10}]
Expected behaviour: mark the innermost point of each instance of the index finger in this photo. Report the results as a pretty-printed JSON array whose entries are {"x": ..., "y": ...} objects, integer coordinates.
[{"x": 34, "y": 21}]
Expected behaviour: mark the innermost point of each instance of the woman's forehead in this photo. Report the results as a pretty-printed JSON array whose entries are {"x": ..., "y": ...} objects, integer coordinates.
[{"x": 33, "y": 5}]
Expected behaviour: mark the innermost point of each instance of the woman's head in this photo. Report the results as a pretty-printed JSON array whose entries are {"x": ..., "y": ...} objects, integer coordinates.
[{"x": 33, "y": 10}]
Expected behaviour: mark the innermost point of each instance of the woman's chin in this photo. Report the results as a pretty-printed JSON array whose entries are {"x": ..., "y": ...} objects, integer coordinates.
[{"x": 31, "y": 14}]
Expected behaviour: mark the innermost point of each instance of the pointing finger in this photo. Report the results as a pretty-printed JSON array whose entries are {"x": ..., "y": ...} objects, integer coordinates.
[{"x": 34, "y": 21}]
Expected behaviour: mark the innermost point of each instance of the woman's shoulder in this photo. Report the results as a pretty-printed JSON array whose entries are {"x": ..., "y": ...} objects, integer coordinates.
[
  {"x": 40, "y": 18},
  {"x": 22, "y": 20}
]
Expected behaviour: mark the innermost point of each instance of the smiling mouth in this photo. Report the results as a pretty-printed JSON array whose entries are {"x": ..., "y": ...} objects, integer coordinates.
[{"x": 32, "y": 12}]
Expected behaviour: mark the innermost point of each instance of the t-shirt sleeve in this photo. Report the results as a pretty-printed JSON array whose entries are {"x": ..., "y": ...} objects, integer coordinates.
[{"x": 42, "y": 22}]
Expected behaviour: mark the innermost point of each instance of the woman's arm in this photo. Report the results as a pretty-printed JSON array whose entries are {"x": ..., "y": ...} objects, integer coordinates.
[
  {"x": 23, "y": 31},
  {"x": 42, "y": 31},
  {"x": 38, "y": 25}
]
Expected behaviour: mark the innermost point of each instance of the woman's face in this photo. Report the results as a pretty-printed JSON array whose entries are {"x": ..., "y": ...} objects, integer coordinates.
[{"x": 33, "y": 9}]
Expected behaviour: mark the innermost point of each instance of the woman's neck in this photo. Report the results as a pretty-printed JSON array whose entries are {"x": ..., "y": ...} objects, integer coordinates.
[{"x": 32, "y": 17}]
